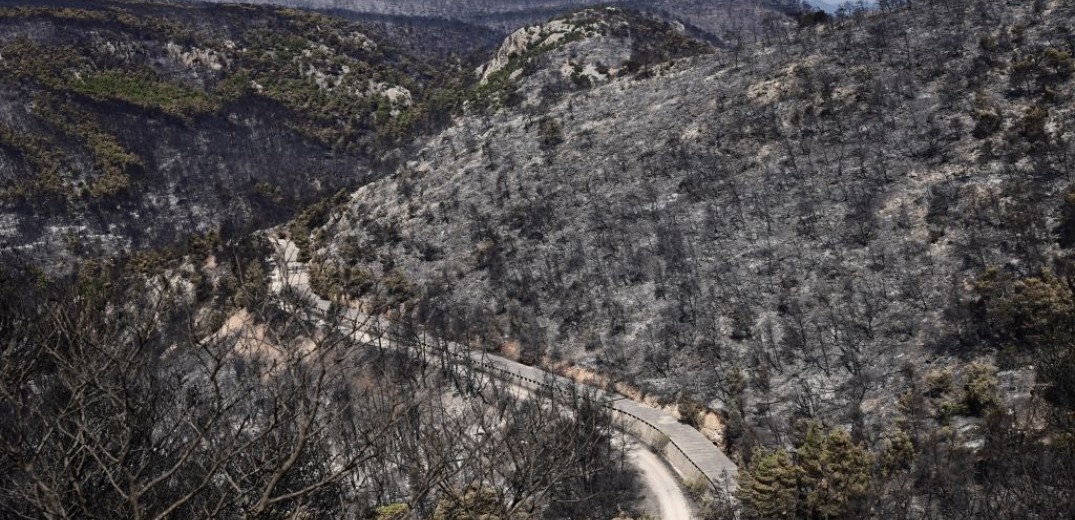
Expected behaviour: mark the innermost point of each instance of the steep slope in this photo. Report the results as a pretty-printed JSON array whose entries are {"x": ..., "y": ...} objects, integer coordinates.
[
  {"x": 846, "y": 230},
  {"x": 133, "y": 124}
]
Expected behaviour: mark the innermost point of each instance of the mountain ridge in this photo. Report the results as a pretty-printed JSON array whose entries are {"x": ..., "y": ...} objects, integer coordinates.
[{"x": 745, "y": 18}]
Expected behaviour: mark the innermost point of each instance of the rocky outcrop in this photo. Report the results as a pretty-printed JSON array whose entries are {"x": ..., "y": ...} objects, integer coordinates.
[{"x": 590, "y": 47}]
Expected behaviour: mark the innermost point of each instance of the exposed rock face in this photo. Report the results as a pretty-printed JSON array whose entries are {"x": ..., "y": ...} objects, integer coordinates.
[
  {"x": 194, "y": 57},
  {"x": 529, "y": 39},
  {"x": 537, "y": 63}
]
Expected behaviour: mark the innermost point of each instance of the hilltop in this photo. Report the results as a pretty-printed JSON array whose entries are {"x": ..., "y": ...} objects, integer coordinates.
[{"x": 539, "y": 63}]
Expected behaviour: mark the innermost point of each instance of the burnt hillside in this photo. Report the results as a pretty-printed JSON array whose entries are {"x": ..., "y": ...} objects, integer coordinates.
[{"x": 862, "y": 227}]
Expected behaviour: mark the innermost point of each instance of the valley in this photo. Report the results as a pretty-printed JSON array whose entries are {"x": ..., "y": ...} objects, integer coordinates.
[{"x": 503, "y": 259}]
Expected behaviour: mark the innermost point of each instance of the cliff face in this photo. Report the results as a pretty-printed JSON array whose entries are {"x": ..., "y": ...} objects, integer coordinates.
[{"x": 128, "y": 125}]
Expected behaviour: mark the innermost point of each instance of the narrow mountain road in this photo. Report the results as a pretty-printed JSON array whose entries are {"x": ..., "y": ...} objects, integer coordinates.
[
  {"x": 665, "y": 493},
  {"x": 662, "y": 495},
  {"x": 661, "y": 484}
]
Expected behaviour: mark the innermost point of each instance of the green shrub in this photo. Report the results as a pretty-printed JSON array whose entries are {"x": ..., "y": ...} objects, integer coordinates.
[
  {"x": 899, "y": 452},
  {"x": 690, "y": 411},
  {"x": 1031, "y": 311},
  {"x": 269, "y": 191},
  {"x": 475, "y": 503},
  {"x": 1035, "y": 318},
  {"x": 233, "y": 87},
  {"x": 697, "y": 488},
  {"x": 1056, "y": 65},
  {"x": 938, "y": 383},
  {"x": 1032, "y": 125},
  {"x": 42, "y": 158},
  {"x": 986, "y": 123},
  {"x": 980, "y": 392},
  {"x": 392, "y": 512},
  {"x": 112, "y": 183},
  {"x": 145, "y": 91},
  {"x": 398, "y": 288},
  {"x": 1045, "y": 69},
  {"x": 112, "y": 162}
]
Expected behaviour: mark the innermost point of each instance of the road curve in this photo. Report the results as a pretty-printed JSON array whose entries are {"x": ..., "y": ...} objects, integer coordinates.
[
  {"x": 663, "y": 496},
  {"x": 664, "y": 488},
  {"x": 687, "y": 450}
]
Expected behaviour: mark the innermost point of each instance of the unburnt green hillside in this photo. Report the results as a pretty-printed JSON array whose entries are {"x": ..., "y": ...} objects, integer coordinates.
[{"x": 134, "y": 124}]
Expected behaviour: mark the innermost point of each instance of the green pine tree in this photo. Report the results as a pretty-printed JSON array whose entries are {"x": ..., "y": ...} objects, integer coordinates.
[
  {"x": 836, "y": 473},
  {"x": 769, "y": 487}
]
